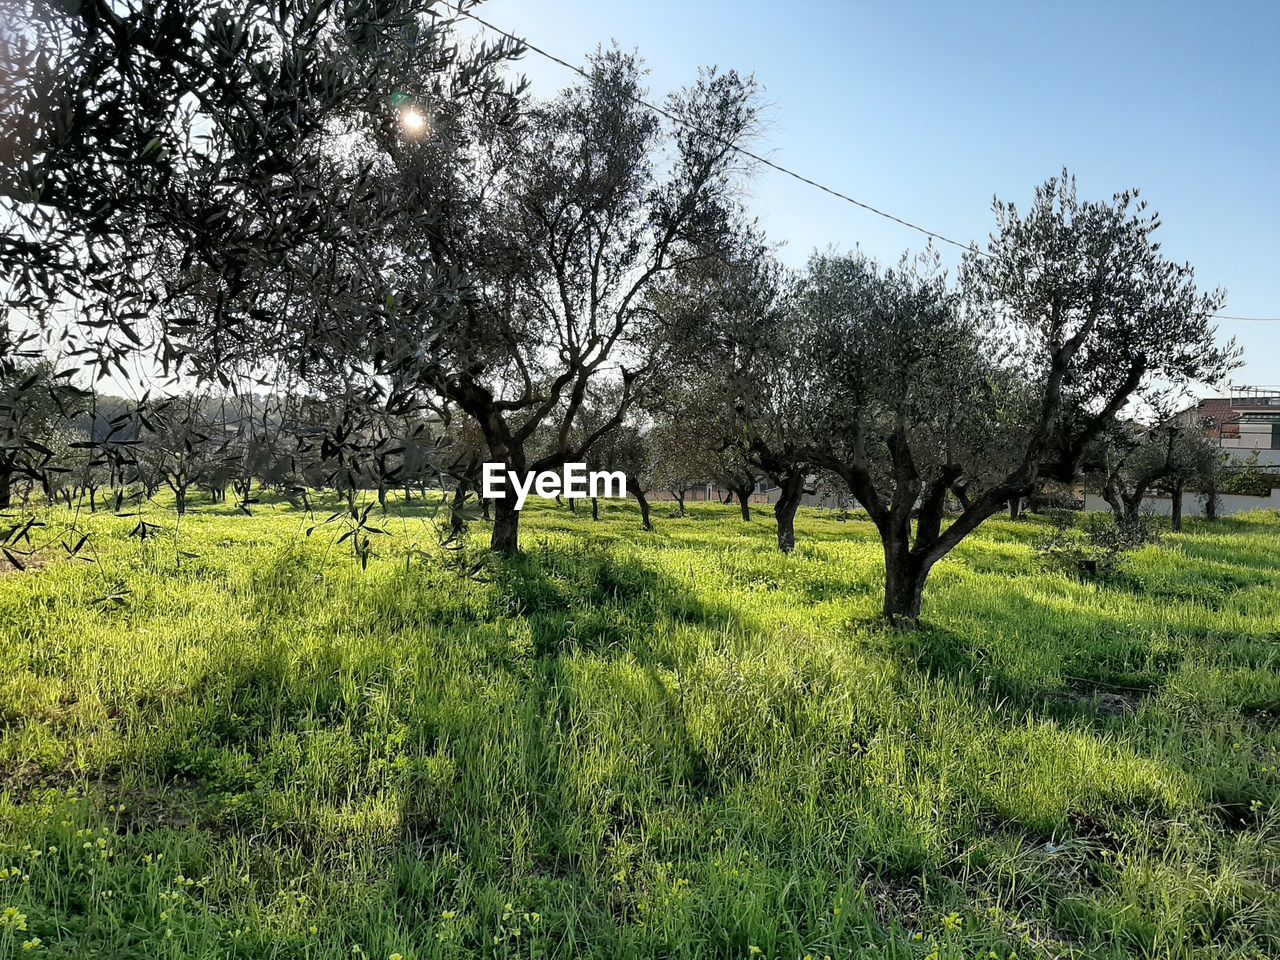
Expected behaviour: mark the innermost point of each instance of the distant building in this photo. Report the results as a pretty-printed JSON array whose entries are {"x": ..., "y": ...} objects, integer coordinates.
[{"x": 1245, "y": 423}]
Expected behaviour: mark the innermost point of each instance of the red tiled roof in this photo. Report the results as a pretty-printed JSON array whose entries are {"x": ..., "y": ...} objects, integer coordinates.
[
  {"x": 1218, "y": 409},
  {"x": 1225, "y": 408}
]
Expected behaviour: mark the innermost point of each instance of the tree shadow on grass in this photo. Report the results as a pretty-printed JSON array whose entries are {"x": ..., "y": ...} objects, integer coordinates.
[
  {"x": 1057, "y": 656},
  {"x": 1093, "y": 671},
  {"x": 1088, "y": 689},
  {"x": 228, "y": 744},
  {"x": 591, "y": 599},
  {"x": 574, "y": 760},
  {"x": 521, "y": 780}
]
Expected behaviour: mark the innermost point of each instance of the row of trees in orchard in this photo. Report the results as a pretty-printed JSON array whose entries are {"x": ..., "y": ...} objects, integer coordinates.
[
  {"x": 347, "y": 207},
  {"x": 91, "y": 449},
  {"x": 919, "y": 393}
]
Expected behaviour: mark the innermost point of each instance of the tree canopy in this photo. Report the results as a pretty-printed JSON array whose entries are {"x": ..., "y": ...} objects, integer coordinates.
[{"x": 406, "y": 263}]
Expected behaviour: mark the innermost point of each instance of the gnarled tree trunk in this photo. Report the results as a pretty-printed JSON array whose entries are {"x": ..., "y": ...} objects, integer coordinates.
[
  {"x": 645, "y": 520},
  {"x": 905, "y": 574},
  {"x": 790, "y": 492},
  {"x": 506, "y": 527},
  {"x": 457, "y": 522},
  {"x": 1211, "y": 503},
  {"x": 1125, "y": 507}
]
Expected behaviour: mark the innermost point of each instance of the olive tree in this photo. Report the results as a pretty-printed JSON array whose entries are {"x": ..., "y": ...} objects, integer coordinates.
[
  {"x": 197, "y": 188},
  {"x": 582, "y": 212},
  {"x": 182, "y": 445},
  {"x": 1069, "y": 312},
  {"x": 684, "y": 455},
  {"x": 629, "y": 448},
  {"x": 693, "y": 435},
  {"x": 1130, "y": 461},
  {"x": 36, "y": 410},
  {"x": 1124, "y": 464},
  {"x": 752, "y": 372}
]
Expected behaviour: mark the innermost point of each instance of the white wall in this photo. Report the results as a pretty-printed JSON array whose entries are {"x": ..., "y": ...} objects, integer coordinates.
[
  {"x": 827, "y": 501},
  {"x": 1193, "y": 504}
]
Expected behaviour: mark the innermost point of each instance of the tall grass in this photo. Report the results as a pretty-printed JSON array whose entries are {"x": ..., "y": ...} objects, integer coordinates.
[{"x": 627, "y": 744}]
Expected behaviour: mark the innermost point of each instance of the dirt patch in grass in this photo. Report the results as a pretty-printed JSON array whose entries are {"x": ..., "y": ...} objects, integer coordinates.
[
  {"x": 28, "y": 779},
  {"x": 896, "y": 901},
  {"x": 13, "y": 562},
  {"x": 1093, "y": 831},
  {"x": 1105, "y": 700}
]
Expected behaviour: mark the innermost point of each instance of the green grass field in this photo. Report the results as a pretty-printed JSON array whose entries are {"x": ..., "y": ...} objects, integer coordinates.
[{"x": 677, "y": 744}]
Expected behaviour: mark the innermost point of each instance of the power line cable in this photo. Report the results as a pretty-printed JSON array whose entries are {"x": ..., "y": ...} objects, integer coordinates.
[
  {"x": 1249, "y": 319},
  {"x": 737, "y": 148},
  {"x": 743, "y": 151}
]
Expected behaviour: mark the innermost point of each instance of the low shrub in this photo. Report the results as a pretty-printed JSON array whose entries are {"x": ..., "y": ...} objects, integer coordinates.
[
  {"x": 1095, "y": 544},
  {"x": 1252, "y": 483}
]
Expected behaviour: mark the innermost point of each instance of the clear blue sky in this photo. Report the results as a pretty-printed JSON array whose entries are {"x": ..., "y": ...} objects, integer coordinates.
[{"x": 928, "y": 109}]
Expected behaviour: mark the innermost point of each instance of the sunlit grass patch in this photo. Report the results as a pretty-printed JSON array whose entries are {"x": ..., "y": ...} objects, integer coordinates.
[{"x": 676, "y": 744}]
